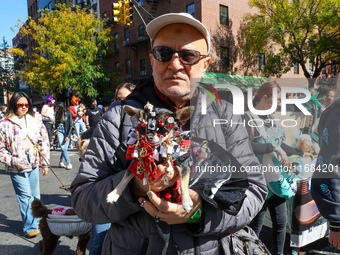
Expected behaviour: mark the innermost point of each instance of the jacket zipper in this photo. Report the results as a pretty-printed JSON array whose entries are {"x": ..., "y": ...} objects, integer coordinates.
[{"x": 144, "y": 247}]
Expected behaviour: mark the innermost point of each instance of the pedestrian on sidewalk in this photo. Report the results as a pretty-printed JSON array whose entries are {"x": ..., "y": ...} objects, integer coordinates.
[
  {"x": 47, "y": 113},
  {"x": 63, "y": 123},
  {"x": 265, "y": 140},
  {"x": 325, "y": 185},
  {"x": 21, "y": 157},
  {"x": 93, "y": 114},
  {"x": 78, "y": 112}
]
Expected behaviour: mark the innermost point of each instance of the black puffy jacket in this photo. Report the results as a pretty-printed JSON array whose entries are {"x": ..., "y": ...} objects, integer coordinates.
[{"x": 133, "y": 231}]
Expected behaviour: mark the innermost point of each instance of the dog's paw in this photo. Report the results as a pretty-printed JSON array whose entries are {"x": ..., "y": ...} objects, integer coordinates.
[
  {"x": 187, "y": 204},
  {"x": 112, "y": 197}
]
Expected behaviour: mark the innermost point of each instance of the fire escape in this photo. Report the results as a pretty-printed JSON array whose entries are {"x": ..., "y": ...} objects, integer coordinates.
[{"x": 141, "y": 39}]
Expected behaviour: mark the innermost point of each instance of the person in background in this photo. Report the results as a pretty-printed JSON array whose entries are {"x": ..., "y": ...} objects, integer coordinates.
[
  {"x": 123, "y": 90},
  {"x": 3, "y": 109},
  {"x": 180, "y": 47},
  {"x": 328, "y": 95},
  {"x": 78, "y": 116},
  {"x": 63, "y": 123},
  {"x": 261, "y": 147},
  {"x": 36, "y": 113},
  {"x": 47, "y": 113},
  {"x": 325, "y": 185},
  {"x": 21, "y": 157},
  {"x": 93, "y": 114}
]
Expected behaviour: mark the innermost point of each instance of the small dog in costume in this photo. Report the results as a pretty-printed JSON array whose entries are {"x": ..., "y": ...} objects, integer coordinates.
[
  {"x": 154, "y": 140},
  {"x": 81, "y": 111}
]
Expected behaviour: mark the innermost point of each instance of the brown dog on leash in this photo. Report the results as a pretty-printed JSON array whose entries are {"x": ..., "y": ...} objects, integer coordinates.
[
  {"x": 49, "y": 241},
  {"x": 154, "y": 137}
]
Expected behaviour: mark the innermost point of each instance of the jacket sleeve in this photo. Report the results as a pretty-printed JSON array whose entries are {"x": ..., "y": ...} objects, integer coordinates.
[
  {"x": 258, "y": 148},
  {"x": 73, "y": 111},
  {"x": 96, "y": 179},
  {"x": 326, "y": 177},
  {"x": 5, "y": 155},
  {"x": 44, "y": 144},
  {"x": 70, "y": 123},
  {"x": 215, "y": 220}
]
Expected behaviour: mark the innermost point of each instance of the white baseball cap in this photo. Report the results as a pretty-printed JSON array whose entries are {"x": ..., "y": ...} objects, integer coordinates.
[{"x": 171, "y": 18}]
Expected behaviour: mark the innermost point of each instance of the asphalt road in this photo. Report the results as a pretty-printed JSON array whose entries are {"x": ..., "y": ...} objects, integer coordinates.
[{"x": 12, "y": 240}]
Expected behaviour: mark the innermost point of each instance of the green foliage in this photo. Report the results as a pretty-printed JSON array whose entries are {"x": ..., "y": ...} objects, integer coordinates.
[
  {"x": 72, "y": 49},
  {"x": 293, "y": 31}
]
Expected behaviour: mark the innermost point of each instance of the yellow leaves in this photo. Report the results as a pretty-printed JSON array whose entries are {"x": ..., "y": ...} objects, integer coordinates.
[
  {"x": 18, "y": 52},
  {"x": 69, "y": 42}
]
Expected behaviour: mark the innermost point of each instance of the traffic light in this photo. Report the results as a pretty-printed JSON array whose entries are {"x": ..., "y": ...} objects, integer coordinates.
[
  {"x": 128, "y": 11},
  {"x": 118, "y": 12}
]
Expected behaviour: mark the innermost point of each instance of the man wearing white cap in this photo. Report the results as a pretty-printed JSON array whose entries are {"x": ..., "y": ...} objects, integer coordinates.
[{"x": 142, "y": 222}]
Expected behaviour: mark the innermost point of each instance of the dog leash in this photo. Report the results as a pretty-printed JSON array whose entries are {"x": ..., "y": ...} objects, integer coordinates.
[{"x": 42, "y": 156}]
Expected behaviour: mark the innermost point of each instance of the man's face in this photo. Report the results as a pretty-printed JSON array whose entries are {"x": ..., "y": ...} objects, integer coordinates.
[
  {"x": 330, "y": 98},
  {"x": 94, "y": 104},
  {"x": 173, "y": 78}
]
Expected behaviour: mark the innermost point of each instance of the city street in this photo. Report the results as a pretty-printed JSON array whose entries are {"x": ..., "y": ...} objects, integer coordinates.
[{"x": 12, "y": 240}]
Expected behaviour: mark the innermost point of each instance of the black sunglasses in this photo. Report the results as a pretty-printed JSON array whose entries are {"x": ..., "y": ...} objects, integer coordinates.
[{"x": 187, "y": 57}]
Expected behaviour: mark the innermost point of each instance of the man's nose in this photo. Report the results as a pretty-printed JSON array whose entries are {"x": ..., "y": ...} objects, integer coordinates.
[{"x": 175, "y": 63}]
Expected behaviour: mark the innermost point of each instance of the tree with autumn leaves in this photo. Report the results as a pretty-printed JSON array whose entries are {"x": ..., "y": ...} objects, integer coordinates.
[
  {"x": 289, "y": 32},
  {"x": 72, "y": 49}
]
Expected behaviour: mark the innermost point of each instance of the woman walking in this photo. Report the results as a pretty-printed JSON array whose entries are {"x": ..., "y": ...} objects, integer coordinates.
[
  {"x": 47, "y": 113},
  {"x": 18, "y": 131},
  {"x": 63, "y": 123}
]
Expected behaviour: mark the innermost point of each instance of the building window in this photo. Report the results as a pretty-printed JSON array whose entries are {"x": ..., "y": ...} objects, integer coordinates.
[
  {"x": 261, "y": 62},
  {"x": 191, "y": 9},
  {"x": 127, "y": 35},
  {"x": 224, "y": 52},
  {"x": 296, "y": 68},
  {"x": 142, "y": 67},
  {"x": 116, "y": 47},
  {"x": 141, "y": 31},
  {"x": 224, "y": 20}
]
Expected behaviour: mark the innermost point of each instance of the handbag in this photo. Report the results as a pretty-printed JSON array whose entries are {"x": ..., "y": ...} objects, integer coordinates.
[{"x": 243, "y": 242}]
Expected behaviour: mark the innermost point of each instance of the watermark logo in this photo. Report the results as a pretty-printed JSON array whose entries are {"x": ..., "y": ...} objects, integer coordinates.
[{"x": 238, "y": 99}]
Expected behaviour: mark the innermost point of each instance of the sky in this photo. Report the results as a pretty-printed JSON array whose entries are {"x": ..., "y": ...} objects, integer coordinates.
[{"x": 10, "y": 12}]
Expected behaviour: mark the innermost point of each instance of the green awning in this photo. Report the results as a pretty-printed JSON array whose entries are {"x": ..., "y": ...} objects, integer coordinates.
[{"x": 241, "y": 81}]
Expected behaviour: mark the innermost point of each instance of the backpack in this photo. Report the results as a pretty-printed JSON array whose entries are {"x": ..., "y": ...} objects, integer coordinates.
[{"x": 243, "y": 242}]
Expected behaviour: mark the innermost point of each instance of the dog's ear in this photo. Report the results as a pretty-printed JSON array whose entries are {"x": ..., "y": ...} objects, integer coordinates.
[
  {"x": 182, "y": 115},
  {"x": 130, "y": 110}
]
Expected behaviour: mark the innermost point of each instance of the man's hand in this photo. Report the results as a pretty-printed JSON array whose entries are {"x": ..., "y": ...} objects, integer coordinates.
[
  {"x": 171, "y": 213},
  {"x": 334, "y": 239},
  {"x": 44, "y": 171},
  {"x": 66, "y": 139}
]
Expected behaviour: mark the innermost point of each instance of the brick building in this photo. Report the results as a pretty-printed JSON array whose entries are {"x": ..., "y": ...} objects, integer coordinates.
[
  {"x": 131, "y": 58},
  {"x": 221, "y": 17}
]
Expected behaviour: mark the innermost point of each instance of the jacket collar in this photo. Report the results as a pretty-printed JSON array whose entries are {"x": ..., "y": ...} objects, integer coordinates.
[{"x": 29, "y": 120}]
